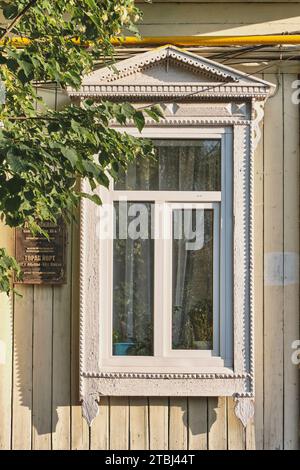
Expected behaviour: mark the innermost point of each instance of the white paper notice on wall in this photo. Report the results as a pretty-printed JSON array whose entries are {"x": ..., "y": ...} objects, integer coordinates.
[
  {"x": 281, "y": 268},
  {"x": 2, "y": 352}
]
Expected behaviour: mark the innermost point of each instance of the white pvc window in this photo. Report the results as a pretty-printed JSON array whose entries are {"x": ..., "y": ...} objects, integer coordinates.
[{"x": 166, "y": 256}]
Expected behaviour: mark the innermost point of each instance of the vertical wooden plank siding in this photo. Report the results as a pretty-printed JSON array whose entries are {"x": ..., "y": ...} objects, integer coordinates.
[
  {"x": 158, "y": 423},
  {"x": 273, "y": 259},
  {"x": 119, "y": 423},
  {"x": 100, "y": 427},
  {"x": 42, "y": 368},
  {"x": 197, "y": 419},
  {"x": 178, "y": 423},
  {"x": 138, "y": 423},
  {"x": 291, "y": 263},
  {"x": 22, "y": 369},
  {"x": 254, "y": 433},
  {"x": 6, "y": 331},
  {"x": 217, "y": 424},
  {"x": 61, "y": 386}
]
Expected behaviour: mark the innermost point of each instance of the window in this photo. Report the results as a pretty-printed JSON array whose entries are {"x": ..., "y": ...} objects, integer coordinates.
[
  {"x": 172, "y": 313},
  {"x": 166, "y": 290}
]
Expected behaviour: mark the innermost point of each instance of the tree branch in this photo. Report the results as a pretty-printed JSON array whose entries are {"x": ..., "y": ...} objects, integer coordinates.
[
  {"x": 18, "y": 18},
  {"x": 31, "y": 118}
]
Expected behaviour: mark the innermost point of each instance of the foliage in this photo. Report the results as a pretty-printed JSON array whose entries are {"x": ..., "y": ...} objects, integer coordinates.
[
  {"x": 42, "y": 151},
  {"x": 43, "y": 159},
  {"x": 8, "y": 268}
]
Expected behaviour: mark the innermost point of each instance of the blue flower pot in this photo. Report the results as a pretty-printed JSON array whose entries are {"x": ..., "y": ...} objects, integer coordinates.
[{"x": 120, "y": 349}]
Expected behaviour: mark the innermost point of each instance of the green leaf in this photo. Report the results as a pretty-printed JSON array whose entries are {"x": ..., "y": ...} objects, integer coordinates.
[
  {"x": 13, "y": 203},
  {"x": 70, "y": 154},
  {"x": 75, "y": 126},
  {"x": 115, "y": 167},
  {"x": 139, "y": 120},
  {"x": 152, "y": 114},
  {"x": 29, "y": 195},
  {"x": 90, "y": 167},
  {"x": 134, "y": 29},
  {"x": 92, "y": 197},
  {"x": 92, "y": 4},
  {"x": 155, "y": 112},
  {"x": 13, "y": 65},
  {"x": 22, "y": 76},
  {"x": 8, "y": 268},
  {"x": 158, "y": 110},
  {"x": 15, "y": 184},
  {"x": 103, "y": 180},
  {"x": 54, "y": 127},
  {"x": 10, "y": 11},
  {"x": 15, "y": 162},
  {"x": 26, "y": 66},
  {"x": 128, "y": 110}
]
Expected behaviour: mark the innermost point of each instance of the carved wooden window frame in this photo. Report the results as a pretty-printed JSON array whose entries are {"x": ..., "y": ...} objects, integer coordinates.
[{"x": 241, "y": 111}]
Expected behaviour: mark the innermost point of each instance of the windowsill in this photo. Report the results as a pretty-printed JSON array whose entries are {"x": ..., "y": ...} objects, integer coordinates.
[{"x": 213, "y": 365}]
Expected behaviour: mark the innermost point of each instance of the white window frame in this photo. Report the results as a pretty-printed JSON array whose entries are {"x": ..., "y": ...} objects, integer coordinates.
[
  {"x": 208, "y": 357},
  {"x": 165, "y": 359},
  {"x": 237, "y": 380},
  {"x": 222, "y": 98}
]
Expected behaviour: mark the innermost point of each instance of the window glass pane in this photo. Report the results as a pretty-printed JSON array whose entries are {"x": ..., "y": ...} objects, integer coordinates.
[
  {"x": 179, "y": 165},
  {"x": 192, "y": 266},
  {"x": 133, "y": 272}
]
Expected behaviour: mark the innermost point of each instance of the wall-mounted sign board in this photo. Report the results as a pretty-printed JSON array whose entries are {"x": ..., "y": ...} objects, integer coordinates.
[{"x": 42, "y": 260}]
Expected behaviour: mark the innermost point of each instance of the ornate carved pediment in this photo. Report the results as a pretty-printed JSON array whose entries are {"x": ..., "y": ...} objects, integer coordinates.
[{"x": 169, "y": 71}]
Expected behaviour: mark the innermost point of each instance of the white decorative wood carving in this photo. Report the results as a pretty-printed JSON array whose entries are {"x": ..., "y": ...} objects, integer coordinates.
[
  {"x": 244, "y": 409},
  {"x": 197, "y": 92},
  {"x": 90, "y": 408},
  {"x": 258, "y": 115},
  {"x": 170, "y": 72}
]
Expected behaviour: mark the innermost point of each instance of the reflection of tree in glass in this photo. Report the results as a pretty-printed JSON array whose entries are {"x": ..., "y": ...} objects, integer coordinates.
[
  {"x": 179, "y": 165},
  {"x": 198, "y": 330}
]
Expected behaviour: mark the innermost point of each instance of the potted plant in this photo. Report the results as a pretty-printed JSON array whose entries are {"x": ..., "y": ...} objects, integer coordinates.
[
  {"x": 121, "y": 347},
  {"x": 200, "y": 319}
]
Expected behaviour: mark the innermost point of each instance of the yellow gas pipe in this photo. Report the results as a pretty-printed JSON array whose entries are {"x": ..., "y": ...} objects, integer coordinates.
[{"x": 190, "y": 41}]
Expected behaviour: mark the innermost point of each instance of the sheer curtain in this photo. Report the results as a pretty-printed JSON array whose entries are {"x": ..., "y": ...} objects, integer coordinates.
[
  {"x": 180, "y": 165},
  {"x": 193, "y": 281},
  {"x": 133, "y": 291}
]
